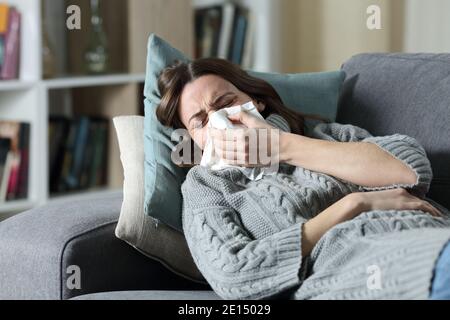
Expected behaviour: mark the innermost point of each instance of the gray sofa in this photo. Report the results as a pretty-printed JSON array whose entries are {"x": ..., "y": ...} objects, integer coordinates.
[{"x": 384, "y": 93}]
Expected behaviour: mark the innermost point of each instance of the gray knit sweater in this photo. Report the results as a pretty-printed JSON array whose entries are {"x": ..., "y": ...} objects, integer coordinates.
[{"x": 245, "y": 236}]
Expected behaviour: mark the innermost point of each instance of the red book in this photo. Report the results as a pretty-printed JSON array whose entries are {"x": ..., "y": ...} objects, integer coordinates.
[
  {"x": 13, "y": 178},
  {"x": 10, "y": 67}
]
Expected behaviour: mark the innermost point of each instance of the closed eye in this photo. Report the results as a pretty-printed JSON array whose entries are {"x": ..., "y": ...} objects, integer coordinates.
[
  {"x": 200, "y": 119},
  {"x": 223, "y": 101},
  {"x": 199, "y": 122},
  {"x": 228, "y": 103},
  {"x": 223, "y": 104}
]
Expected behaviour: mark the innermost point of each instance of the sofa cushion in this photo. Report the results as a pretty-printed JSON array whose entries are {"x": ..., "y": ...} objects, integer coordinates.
[
  {"x": 407, "y": 94},
  {"x": 314, "y": 93},
  {"x": 162, "y": 177},
  {"x": 156, "y": 241}
]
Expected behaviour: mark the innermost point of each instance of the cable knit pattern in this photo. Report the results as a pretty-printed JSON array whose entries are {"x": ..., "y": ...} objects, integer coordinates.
[{"x": 245, "y": 236}]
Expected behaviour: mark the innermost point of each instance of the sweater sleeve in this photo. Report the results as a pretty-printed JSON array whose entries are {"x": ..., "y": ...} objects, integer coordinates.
[
  {"x": 402, "y": 147},
  {"x": 235, "y": 265}
]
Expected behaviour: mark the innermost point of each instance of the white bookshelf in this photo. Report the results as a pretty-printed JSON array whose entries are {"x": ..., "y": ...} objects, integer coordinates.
[
  {"x": 15, "y": 85},
  {"x": 29, "y": 98}
]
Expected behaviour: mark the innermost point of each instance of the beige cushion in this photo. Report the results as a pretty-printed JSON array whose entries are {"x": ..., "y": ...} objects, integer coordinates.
[{"x": 155, "y": 240}]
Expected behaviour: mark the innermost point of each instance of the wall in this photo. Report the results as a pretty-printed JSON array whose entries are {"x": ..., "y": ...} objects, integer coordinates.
[
  {"x": 427, "y": 26},
  {"x": 321, "y": 34},
  {"x": 170, "y": 19}
]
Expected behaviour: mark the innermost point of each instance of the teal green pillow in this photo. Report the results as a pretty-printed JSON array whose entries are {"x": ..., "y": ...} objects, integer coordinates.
[{"x": 310, "y": 93}]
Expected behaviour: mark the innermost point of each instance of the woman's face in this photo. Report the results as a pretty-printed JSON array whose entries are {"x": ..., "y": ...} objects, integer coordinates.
[{"x": 201, "y": 97}]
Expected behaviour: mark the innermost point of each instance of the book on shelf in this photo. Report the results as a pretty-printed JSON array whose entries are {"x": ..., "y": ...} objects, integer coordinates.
[
  {"x": 2, "y": 51},
  {"x": 14, "y": 160},
  {"x": 10, "y": 24},
  {"x": 225, "y": 31},
  {"x": 77, "y": 153},
  {"x": 207, "y": 27},
  {"x": 236, "y": 51},
  {"x": 4, "y": 9}
]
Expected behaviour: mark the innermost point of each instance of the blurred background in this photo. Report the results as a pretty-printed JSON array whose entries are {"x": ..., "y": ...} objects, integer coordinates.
[{"x": 67, "y": 67}]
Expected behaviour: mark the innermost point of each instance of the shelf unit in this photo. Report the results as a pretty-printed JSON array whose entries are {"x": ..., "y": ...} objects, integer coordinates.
[{"x": 30, "y": 98}]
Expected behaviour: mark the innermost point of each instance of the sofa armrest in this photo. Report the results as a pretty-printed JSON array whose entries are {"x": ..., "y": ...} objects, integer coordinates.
[{"x": 68, "y": 248}]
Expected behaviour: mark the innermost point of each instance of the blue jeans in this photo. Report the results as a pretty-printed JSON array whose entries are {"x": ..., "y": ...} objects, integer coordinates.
[{"x": 440, "y": 289}]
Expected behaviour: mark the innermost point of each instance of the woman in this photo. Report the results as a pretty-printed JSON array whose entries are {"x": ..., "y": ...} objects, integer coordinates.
[{"x": 344, "y": 217}]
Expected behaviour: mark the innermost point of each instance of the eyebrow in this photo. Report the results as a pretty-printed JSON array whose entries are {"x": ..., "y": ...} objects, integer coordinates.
[{"x": 196, "y": 115}]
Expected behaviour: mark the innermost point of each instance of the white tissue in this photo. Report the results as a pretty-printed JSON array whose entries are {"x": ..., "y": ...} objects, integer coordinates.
[{"x": 219, "y": 120}]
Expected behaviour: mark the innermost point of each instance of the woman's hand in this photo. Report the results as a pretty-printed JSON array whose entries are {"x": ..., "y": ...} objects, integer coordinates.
[
  {"x": 249, "y": 120},
  {"x": 254, "y": 146},
  {"x": 395, "y": 199}
]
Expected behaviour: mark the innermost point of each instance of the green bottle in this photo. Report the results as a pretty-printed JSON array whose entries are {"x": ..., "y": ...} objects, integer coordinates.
[{"x": 96, "y": 54}]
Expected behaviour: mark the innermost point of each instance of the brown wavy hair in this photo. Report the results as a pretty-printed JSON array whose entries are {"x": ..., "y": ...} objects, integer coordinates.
[{"x": 174, "y": 78}]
